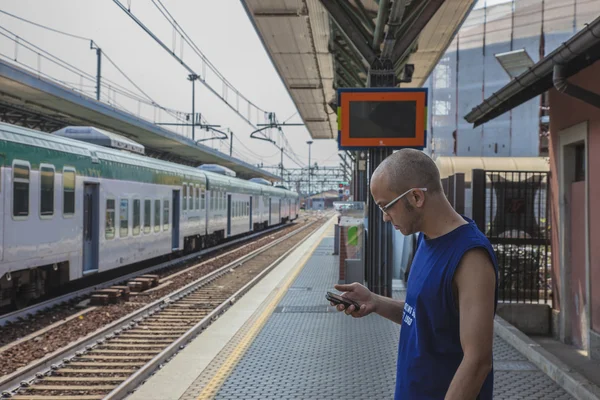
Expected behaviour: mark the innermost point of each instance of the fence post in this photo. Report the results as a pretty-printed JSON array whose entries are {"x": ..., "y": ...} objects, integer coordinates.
[
  {"x": 459, "y": 192},
  {"x": 478, "y": 184}
]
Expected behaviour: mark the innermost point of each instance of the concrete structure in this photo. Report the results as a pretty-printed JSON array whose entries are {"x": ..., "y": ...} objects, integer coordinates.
[
  {"x": 284, "y": 341},
  {"x": 319, "y": 45},
  {"x": 569, "y": 74},
  {"x": 30, "y": 100}
]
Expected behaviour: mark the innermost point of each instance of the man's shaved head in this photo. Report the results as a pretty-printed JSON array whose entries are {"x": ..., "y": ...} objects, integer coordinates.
[{"x": 407, "y": 169}]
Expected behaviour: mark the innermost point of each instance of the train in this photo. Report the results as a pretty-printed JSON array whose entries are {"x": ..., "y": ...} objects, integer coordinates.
[{"x": 82, "y": 201}]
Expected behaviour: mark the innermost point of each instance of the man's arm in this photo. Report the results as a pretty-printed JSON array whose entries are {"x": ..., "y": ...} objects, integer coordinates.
[
  {"x": 389, "y": 308},
  {"x": 476, "y": 281}
]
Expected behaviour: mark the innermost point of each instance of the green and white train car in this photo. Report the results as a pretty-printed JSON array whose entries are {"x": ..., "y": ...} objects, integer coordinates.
[{"x": 69, "y": 208}]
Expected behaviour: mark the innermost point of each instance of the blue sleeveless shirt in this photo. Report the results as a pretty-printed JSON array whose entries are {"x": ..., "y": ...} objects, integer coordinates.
[{"x": 429, "y": 351}]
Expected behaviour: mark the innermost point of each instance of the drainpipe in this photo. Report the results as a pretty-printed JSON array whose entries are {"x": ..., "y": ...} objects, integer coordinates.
[{"x": 562, "y": 85}]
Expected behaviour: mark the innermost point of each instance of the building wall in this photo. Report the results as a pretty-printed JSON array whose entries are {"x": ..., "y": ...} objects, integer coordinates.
[
  {"x": 565, "y": 112},
  {"x": 468, "y": 73}
]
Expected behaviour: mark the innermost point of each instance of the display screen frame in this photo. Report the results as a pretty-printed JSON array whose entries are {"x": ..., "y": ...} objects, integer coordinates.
[{"x": 348, "y": 95}]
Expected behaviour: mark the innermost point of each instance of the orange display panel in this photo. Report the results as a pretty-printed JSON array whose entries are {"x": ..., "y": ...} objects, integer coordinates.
[{"x": 382, "y": 117}]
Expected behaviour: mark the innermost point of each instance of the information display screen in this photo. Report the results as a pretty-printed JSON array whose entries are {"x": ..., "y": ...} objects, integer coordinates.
[{"x": 382, "y": 117}]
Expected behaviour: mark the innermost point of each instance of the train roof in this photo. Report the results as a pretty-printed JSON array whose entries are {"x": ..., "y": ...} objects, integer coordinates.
[{"x": 12, "y": 133}]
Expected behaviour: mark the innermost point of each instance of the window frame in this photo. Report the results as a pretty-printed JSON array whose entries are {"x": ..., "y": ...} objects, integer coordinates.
[
  {"x": 114, "y": 211},
  {"x": 26, "y": 164},
  {"x": 166, "y": 206},
  {"x": 139, "y": 215},
  {"x": 128, "y": 217},
  {"x": 51, "y": 167},
  {"x": 74, "y": 171},
  {"x": 157, "y": 224},
  {"x": 149, "y": 214},
  {"x": 184, "y": 195},
  {"x": 197, "y": 197}
]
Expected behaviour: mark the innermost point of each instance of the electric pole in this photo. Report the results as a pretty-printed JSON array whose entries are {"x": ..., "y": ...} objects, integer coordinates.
[
  {"x": 309, "y": 143},
  {"x": 98, "y": 68},
  {"x": 193, "y": 78}
]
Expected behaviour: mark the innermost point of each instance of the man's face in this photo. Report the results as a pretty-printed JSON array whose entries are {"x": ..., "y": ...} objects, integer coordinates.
[{"x": 402, "y": 215}]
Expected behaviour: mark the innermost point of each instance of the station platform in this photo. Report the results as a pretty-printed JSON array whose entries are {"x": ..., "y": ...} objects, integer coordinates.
[{"x": 282, "y": 340}]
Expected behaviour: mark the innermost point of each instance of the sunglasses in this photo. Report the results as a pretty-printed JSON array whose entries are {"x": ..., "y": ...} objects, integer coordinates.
[{"x": 391, "y": 203}]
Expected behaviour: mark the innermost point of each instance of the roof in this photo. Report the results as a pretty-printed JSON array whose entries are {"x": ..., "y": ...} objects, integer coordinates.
[
  {"x": 215, "y": 181},
  {"x": 26, "y": 94},
  {"x": 449, "y": 166},
  {"x": 318, "y": 46},
  {"x": 329, "y": 194},
  {"x": 100, "y": 137},
  {"x": 580, "y": 51}
]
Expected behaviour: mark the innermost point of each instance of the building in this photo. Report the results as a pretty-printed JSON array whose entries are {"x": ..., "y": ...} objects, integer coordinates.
[
  {"x": 323, "y": 200},
  {"x": 470, "y": 71},
  {"x": 569, "y": 78}
]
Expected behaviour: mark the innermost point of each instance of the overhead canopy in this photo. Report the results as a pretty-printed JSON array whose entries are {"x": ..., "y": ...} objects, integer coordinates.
[
  {"x": 34, "y": 102},
  {"x": 580, "y": 51},
  {"x": 318, "y": 46},
  {"x": 449, "y": 166}
]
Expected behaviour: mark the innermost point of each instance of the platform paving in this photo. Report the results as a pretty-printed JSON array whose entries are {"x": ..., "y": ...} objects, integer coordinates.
[{"x": 306, "y": 350}]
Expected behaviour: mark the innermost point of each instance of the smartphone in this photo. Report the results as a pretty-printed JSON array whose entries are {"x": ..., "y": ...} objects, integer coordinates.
[{"x": 337, "y": 299}]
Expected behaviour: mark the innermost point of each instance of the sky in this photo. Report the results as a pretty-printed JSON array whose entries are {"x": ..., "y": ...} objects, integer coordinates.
[{"x": 220, "y": 29}]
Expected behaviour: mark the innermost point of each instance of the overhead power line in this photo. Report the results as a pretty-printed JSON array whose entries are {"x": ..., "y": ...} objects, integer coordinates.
[
  {"x": 57, "y": 60},
  {"x": 44, "y": 27},
  {"x": 187, "y": 66}
]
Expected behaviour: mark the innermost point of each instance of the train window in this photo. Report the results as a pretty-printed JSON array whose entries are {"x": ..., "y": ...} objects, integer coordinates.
[
  {"x": 191, "y": 197},
  {"x": 166, "y": 215},
  {"x": 20, "y": 190},
  {"x": 156, "y": 215},
  {"x": 184, "y": 202},
  {"x": 68, "y": 191},
  {"x": 147, "y": 216},
  {"x": 212, "y": 200},
  {"x": 109, "y": 227},
  {"x": 136, "y": 217},
  {"x": 203, "y": 199},
  {"x": 124, "y": 218},
  {"x": 46, "y": 191},
  {"x": 197, "y": 198}
]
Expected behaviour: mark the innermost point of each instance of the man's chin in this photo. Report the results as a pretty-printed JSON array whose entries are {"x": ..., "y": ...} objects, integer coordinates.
[{"x": 396, "y": 227}]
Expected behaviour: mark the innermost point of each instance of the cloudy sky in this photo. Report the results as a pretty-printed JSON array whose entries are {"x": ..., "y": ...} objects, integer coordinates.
[{"x": 220, "y": 29}]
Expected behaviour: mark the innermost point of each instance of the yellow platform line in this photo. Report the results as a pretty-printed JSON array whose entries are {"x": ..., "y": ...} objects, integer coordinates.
[{"x": 212, "y": 387}]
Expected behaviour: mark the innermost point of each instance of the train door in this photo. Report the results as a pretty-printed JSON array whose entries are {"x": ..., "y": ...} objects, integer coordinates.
[
  {"x": 250, "y": 228},
  {"x": 91, "y": 205},
  {"x": 228, "y": 215},
  {"x": 176, "y": 217}
]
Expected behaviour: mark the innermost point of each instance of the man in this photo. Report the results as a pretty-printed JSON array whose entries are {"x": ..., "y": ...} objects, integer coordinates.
[{"x": 445, "y": 349}]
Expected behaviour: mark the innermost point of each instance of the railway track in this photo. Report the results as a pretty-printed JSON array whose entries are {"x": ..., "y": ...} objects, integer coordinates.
[
  {"x": 79, "y": 294},
  {"x": 113, "y": 362}
]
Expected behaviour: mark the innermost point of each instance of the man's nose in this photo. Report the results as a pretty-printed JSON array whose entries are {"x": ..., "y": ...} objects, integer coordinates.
[{"x": 386, "y": 218}]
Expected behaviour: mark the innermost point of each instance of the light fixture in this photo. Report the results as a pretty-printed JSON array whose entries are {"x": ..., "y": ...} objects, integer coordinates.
[{"x": 515, "y": 62}]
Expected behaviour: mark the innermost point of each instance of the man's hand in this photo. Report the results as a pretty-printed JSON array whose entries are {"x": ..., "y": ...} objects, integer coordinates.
[
  {"x": 370, "y": 303},
  {"x": 475, "y": 281},
  {"x": 361, "y": 295}
]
